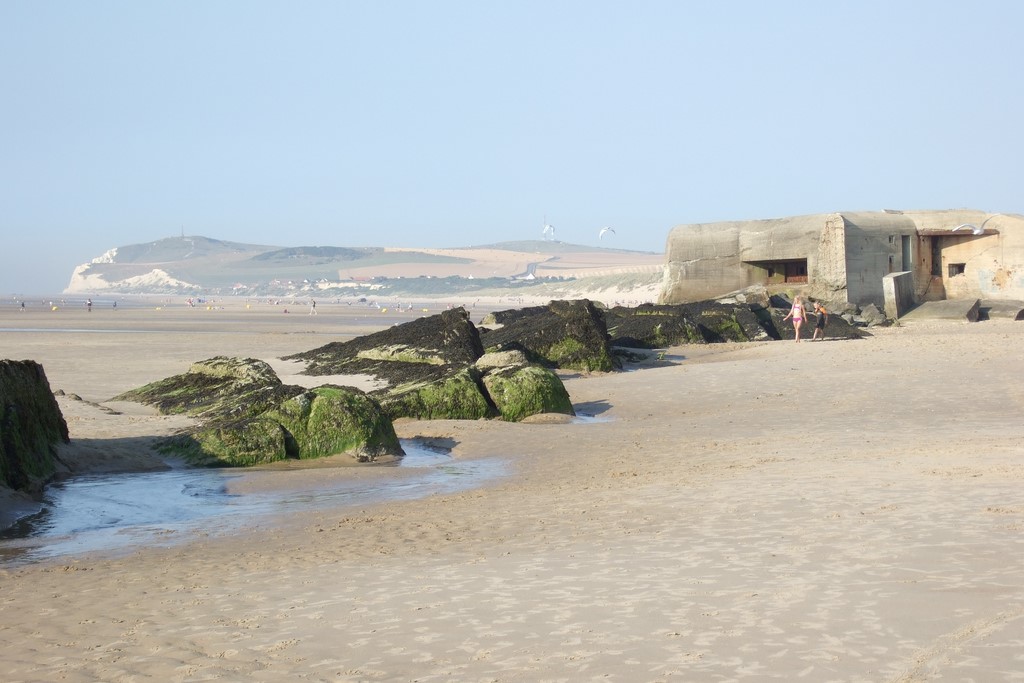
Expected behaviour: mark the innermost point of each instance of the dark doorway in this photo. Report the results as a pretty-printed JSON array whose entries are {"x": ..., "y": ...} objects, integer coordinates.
[
  {"x": 777, "y": 272},
  {"x": 796, "y": 271}
]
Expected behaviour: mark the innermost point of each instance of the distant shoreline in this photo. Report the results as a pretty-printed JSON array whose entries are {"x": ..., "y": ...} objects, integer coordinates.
[{"x": 607, "y": 292}]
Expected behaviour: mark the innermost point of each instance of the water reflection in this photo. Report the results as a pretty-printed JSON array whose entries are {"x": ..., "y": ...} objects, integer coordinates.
[{"x": 117, "y": 512}]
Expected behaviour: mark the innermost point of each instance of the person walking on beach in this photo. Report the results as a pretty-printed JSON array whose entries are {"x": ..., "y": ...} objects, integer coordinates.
[
  {"x": 819, "y": 324},
  {"x": 88, "y": 305},
  {"x": 312, "y": 307},
  {"x": 797, "y": 313}
]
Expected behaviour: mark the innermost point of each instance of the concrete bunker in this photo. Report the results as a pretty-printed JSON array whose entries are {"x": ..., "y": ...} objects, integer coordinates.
[
  {"x": 790, "y": 271},
  {"x": 949, "y": 254}
]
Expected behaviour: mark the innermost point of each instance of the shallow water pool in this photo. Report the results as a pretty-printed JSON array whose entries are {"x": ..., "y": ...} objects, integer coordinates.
[{"x": 118, "y": 512}]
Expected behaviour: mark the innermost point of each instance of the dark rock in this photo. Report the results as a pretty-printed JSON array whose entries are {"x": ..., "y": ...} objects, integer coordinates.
[
  {"x": 651, "y": 326},
  {"x": 842, "y": 308},
  {"x": 563, "y": 334},
  {"x": 428, "y": 349},
  {"x": 250, "y": 417},
  {"x": 217, "y": 388},
  {"x": 755, "y": 295},
  {"x": 425, "y": 363},
  {"x": 721, "y": 323},
  {"x": 31, "y": 426},
  {"x": 871, "y": 315},
  {"x": 511, "y": 315},
  {"x": 432, "y": 367},
  {"x": 837, "y": 327},
  {"x": 766, "y": 320}
]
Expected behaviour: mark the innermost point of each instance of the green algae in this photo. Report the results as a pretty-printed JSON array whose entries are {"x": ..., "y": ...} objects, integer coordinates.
[{"x": 519, "y": 392}]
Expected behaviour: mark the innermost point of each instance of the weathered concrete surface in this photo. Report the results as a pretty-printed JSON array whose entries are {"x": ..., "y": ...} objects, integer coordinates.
[
  {"x": 975, "y": 254},
  {"x": 1012, "y": 310},
  {"x": 707, "y": 260},
  {"x": 951, "y": 309},
  {"x": 31, "y": 426},
  {"x": 898, "y": 289},
  {"x": 873, "y": 247}
]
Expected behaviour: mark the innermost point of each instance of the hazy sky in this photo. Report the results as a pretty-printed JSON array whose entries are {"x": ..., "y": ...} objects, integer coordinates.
[{"x": 439, "y": 123}]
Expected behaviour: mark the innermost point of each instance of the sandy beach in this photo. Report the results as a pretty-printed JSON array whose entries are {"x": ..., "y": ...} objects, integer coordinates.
[{"x": 830, "y": 511}]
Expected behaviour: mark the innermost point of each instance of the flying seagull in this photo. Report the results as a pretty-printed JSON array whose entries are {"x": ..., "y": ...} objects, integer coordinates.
[
  {"x": 975, "y": 229},
  {"x": 603, "y": 231}
]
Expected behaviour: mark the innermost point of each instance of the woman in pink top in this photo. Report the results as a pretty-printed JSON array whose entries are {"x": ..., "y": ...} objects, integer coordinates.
[{"x": 798, "y": 314}]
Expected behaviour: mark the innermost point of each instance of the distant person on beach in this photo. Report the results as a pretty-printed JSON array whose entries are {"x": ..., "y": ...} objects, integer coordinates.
[
  {"x": 819, "y": 325},
  {"x": 797, "y": 313},
  {"x": 88, "y": 305},
  {"x": 312, "y": 307},
  {"x": 22, "y": 306}
]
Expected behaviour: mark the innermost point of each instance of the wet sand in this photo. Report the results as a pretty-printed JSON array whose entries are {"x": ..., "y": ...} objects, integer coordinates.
[{"x": 841, "y": 510}]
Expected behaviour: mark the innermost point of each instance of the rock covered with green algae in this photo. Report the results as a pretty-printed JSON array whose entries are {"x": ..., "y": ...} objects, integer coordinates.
[
  {"x": 216, "y": 388},
  {"x": 521, "y": 391},
  {"x": 652, "y": 326},
  {"x": 31, "y": 426},
  {"x": 250, "y": 417},
  {"x": 232, "y": 443},
  {"x": 332, "y": 419},
  {"x": 459, "y": 396},
  {"x": 421, "y": 350},
  {"x": 564, "y": 334},
  {"x": 432, "y": 369}
]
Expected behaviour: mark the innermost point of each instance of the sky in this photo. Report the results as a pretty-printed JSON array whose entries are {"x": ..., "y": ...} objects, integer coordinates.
[{"x": 463, "y": 123}]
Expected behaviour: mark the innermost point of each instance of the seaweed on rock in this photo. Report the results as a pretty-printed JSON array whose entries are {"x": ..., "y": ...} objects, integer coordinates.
[
  {"x": 422, "y": 350},
  {"x": 563, "y": 334},
  {"x": 249, "y": 417},
  {"x": 31, "y": 426}
]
